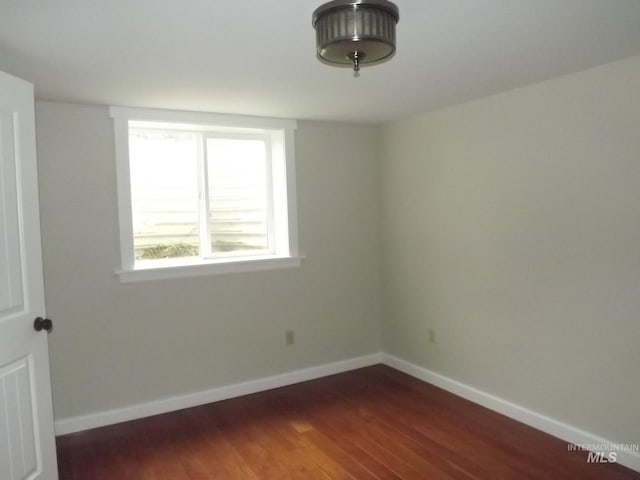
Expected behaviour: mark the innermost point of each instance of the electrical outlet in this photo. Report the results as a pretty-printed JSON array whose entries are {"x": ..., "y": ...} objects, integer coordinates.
[
  {"x": 290, "y": 337},
  {"x": 432, "y": 335}
]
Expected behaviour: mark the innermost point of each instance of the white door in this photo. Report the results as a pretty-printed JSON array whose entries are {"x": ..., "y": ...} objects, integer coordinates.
[{"x": 27, "y": 443}]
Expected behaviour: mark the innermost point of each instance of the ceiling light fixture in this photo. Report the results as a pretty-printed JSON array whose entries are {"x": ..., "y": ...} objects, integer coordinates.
[{"x": 356, "y": 32}]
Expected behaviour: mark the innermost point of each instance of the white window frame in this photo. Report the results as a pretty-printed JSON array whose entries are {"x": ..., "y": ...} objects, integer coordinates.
[
  {"x": 274, "y": 241},
  {"x": 282, "y": 162}
]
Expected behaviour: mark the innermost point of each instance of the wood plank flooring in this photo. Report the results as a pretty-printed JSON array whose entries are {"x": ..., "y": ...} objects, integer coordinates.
[{"x": 372, "y": 423}]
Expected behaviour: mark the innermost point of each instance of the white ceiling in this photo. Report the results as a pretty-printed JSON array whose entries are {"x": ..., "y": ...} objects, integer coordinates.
[{"x": 258, "y": 56}]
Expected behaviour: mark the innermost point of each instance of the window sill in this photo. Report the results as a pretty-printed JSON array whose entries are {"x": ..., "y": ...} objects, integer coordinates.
[{"x": 202, "y": 268}]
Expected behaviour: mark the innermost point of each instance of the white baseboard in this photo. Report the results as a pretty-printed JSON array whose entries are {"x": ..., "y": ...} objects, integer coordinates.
[
  {"x": 110, "y": 417},
  {"x": 538, "y": 421}
]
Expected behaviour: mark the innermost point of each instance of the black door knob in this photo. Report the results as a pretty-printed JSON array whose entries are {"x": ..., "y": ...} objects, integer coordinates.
[{"x": 43, "y": 324}]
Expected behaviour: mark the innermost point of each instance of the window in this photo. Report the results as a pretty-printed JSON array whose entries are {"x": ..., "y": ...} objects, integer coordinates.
[{"x": 203, "y": 193}]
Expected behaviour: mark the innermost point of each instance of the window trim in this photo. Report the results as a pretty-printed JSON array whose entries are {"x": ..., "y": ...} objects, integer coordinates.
[{"x": 282, "y": 141}]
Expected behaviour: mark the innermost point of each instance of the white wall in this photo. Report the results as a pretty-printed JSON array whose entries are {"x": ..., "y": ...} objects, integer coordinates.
[
  {"x": 511, "y": 226},
  {"x": 116, "y": 345}
]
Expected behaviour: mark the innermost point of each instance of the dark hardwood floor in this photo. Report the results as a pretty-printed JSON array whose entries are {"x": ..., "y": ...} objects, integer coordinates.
[{"x": 373, "y": 423}]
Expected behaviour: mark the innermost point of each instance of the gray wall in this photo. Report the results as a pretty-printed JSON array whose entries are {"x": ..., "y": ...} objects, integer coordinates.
[
  {"x": 117, "y": 345},
  {"x": 511, "y": 226}
]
